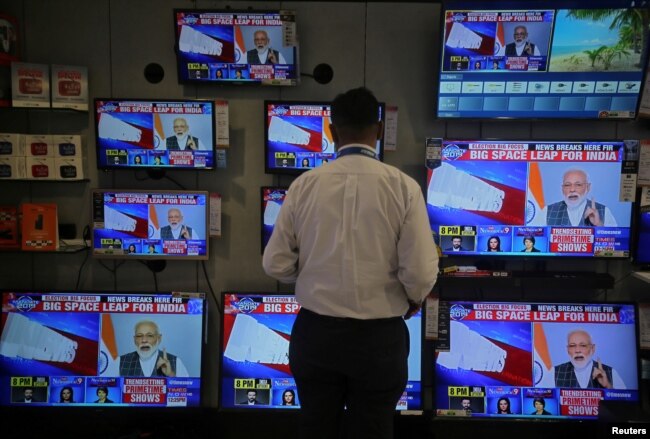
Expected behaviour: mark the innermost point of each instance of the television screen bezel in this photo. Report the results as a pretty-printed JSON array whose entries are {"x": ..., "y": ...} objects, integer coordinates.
[
  {"x": 262, "y": 189},
  {"x": 276, "y": 409},
  {"x": 479, "y": 5},
  {"x": 119, "y": 409},
  {"x": 298, "y": 171},
  {"x": 162, "y": 257},
  {"x": 522, "y": 417},
  {"x": 529, "y": 256},
  {"x": 213, "y": 140},
  {"x": 177, "y": 56}
]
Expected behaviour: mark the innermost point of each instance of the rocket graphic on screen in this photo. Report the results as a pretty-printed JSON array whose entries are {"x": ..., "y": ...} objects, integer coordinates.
[
  {"x": 116, "y": 220},
  {"x": 27, "y": 339},
  {"x": 194, "y": 41},
  {"x": 113, "y": 128},
  {"x": 461, "y": 37},
  {"x": 458, "y": 189},
  {"x": 253, "y": 342},
  {"x": 471, "y": 351},
  {"x": 286, "y": 132},
  {"x": 271, "y": 212}
]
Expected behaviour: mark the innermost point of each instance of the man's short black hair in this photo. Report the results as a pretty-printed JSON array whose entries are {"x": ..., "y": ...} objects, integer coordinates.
[
  {"x": 529, "y": 238},
  {"x": 357, "y": 108}
]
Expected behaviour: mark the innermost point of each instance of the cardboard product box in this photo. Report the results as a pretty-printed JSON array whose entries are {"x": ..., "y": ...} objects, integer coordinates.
[
  {"x": 40, "y": 168},
  {"x": 66, "y": 146},
  {"x": 39, "y": 226},
  {"x": 68, "y": 168},
  {"x": 8, "y": 227},
  {"x": 12, "y": 168},
  {"x": 12, "y": 144},
  {"x": 30, "y": 85},
  {"x": 70, "y": 87},
  {"x": 39, "y": 145}
]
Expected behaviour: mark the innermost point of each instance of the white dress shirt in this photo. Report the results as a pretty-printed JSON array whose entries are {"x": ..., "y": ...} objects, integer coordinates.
[
  {"x": 355, "y": 237},
  {"x": 575, "y": 216},
  {"x": 148, "y": 366},
  {"x": 584, "y": 375}
]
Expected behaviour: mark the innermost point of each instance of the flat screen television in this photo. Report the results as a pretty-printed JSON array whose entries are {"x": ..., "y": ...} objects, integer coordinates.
[
  {"x": 642, "y": 254},
  {"x": 145, "y": 134},
  {"x": 272, "y": 199},
  {"x": 552, "y": 59},
  {"x": 152, "y": 224},
  {"x": 297, "y": 136},
  {"x": 256, "y": 332},
  {"x": 84, "y": 348},
  {"x": 237, "y": 47},
  {"x": 528, "y": 356},
  {"x": 530, "y": 198}
]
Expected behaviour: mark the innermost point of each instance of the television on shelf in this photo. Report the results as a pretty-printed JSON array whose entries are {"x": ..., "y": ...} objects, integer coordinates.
[
  {"x": 256, "y": 332},
  {"x": 237, "y": 47},
  {"x": 552, "y": 59},
  {"x": 297, "y": 136},
  {"x": 272, "y": 199},
  {"x": 88, "y": 348},
  {"x": 528, "y": 198},
  {"x": 642, "y": 254},
  {"x": 161, "y": 134},
  {"x": 514, "y": 360},
  {"x": 153, "y": 224}
]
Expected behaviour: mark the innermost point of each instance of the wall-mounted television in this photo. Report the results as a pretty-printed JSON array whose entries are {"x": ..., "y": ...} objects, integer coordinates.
[
  {"x": 530, "y": 198},
  {"x": 87, "y": 348},
  {"x": 535, "y": 360},
  {"x": 141, "y": 134},
  {"x": 642, "y": 254},
  {"x": 152, "y": 224},
  {"x": 552, "y": 59},
  {"x": 256, "y": 332},
  {"x": 235, "y": 47},
  {"x": 272, "y": 199},
  {"x": 297, "y": 136}
]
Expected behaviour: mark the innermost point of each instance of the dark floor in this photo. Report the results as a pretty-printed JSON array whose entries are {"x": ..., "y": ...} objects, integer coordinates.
[{"x": 210, "y": 423}]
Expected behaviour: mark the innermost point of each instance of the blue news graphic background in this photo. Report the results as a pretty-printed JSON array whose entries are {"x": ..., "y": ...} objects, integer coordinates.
[
  {"x": 181, "y": 335},
  {"x": 615, "y": 346},
  {"x": 605, "y": 185},
  {"x": 85, "y": 325},
  {"x": 223, "y": 33},
  {"x": 513, "y": 174},
  {"x": 283, "y": 323}
]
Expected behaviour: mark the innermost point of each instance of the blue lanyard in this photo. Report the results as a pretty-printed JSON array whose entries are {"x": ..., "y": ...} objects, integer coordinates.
[{"x": 356, "y": 150}]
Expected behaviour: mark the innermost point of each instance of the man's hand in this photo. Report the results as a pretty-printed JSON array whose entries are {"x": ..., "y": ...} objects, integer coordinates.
[
  {"x": 271, "y": 57},
  {"x": 600, "y": 376},
  {"x": 528, "y": 49},
  {"x": 413, "y": 309},
  {"x": 185, "y": 234},
  {"x": 591, "y": 214},
  {"x": 164, "y": 365},
  {"x": 190, "y": 143}
]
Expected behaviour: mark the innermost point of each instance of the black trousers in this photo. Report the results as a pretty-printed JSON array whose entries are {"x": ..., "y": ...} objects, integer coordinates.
[{"x": 350, "y": 374}]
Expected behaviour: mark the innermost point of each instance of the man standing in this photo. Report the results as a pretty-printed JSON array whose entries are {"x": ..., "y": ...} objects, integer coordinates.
[
  {"x": 581, "y": 370},
  {"x": 521, "y": 46},
  {"x": 355, "y": 237},
  {"x": 262, "y": 53},
  {"x": 147, "y": 359},
  {"x": 176, "y": 229},
  {"x": 182, "y": 139}
]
